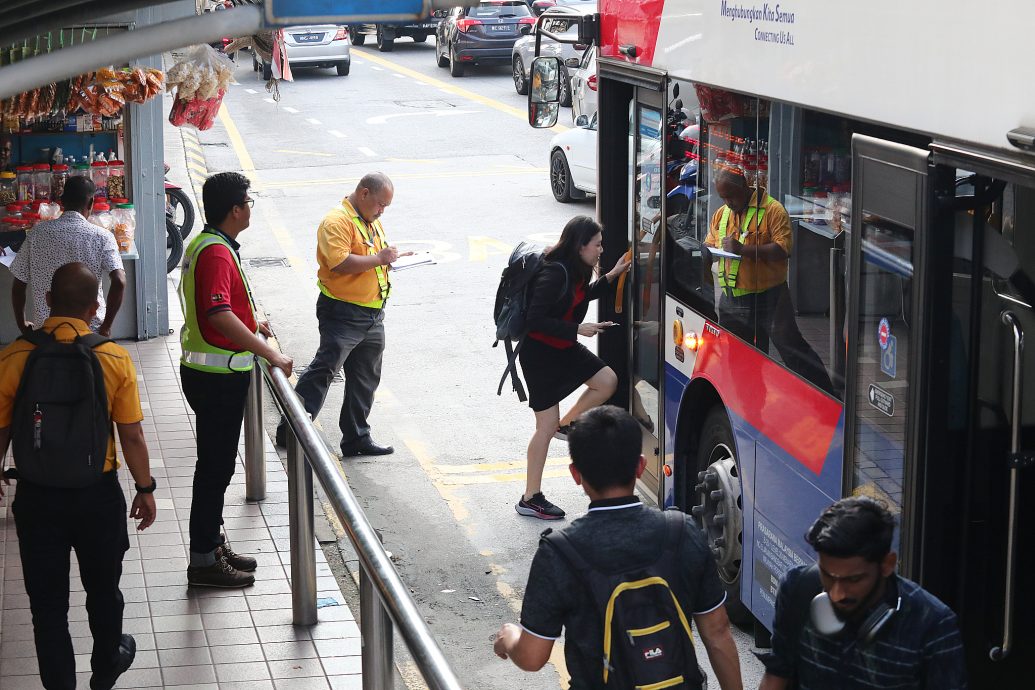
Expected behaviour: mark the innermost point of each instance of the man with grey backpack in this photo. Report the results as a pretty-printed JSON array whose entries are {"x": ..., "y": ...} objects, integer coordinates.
[
  {"x": 62, "y": 390},
  {"x": 623, "y": 581}
]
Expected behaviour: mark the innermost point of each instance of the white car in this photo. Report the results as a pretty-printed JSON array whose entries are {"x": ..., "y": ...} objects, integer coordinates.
[
  {"x": 584, "y": 86},
  {"x": 319, "y": 45},
  {"x": 562, "y": 20},
  {"x": 573, "y": 161}
]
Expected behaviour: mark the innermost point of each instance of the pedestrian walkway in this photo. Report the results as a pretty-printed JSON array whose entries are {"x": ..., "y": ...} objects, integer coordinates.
[{"x": 198, "y": 638}]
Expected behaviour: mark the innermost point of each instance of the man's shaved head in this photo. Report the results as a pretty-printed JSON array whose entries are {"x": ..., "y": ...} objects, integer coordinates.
[
  {"x": 375, "y": 182},
  {"x": 73, "y": 292}
]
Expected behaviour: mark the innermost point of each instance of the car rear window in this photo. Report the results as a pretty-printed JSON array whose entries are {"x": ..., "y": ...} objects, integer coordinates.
[{"x": 489, "y": 10}]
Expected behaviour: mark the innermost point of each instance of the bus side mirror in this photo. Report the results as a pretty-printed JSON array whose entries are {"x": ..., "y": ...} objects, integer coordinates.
[{"x": 544, "y": 94}]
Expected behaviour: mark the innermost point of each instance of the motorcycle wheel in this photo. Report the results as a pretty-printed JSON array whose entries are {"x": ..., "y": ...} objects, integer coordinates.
[
  {"x": 173, "y": 245},
  {"x": 181, "y": 210}
]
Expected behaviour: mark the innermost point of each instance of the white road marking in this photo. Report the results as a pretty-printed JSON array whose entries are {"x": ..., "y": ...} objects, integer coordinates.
[
  {"x": 399, "y": 76},
  {"x": 269, "y": 100},
  {"x": 447, "y": 91},
  {"x": 336, "y": 133},
  {"x": 422, "y": 83},
  {"x": 378, "y": 69},
  {"x": 357, "y": 62},
  {"x": 364, "y": 150},
  {"x": 290, "y": 110},
  {"x": 383, "y": 119},
  {"x": 313, "y": 121},
  {"x": 250, "y": 91}
]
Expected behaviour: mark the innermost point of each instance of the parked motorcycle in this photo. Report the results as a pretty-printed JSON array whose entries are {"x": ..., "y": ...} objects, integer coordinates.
[{"x": 179, "y": 221}]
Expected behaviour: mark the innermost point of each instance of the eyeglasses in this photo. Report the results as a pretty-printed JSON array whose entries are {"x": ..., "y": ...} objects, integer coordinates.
[{"x": 249, "y": 202}]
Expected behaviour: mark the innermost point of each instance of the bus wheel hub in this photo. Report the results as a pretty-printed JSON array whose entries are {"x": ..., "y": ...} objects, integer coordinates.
[{"x": 717, "y": 511}]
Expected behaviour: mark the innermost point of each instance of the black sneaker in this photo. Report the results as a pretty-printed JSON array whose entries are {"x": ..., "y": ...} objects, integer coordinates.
[
  {"x": 562, "y": 432},
  {"x": 219, "y": 574},
  {"x": 127, "y": 652},
  {"x": 280, "y": 438},
  {"x": 538, "y": 507},
  {"x": 236, "y": 560}
]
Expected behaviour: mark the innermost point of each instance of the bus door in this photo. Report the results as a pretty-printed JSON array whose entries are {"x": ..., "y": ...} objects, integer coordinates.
[
  {"x": 647, "y": 195},
  {"x": 889, "y": 191},
  {"x": 974, "y": 544}
]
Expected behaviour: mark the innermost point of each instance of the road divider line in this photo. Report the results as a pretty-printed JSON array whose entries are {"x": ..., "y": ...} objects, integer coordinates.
[
  {"x": 270, "y": 100},
  {"x": 498, "y": 478},
  {"x": 498, "y": 466},
  {"x": 449, "y": 88},
  {"x": 250, "y": 91},
  {"x": 313, "y": 121},
  {"x": 366, "y": 152},
  {"x": 289, "y": 109},
  {"x": 304, "y": 153},
  {"x": 406, "y": 176},
  {"x": 336, "y": 133}
]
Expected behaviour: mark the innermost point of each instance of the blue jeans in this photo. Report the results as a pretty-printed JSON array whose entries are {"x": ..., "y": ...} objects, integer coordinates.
[{"x": 352, "y": 338}]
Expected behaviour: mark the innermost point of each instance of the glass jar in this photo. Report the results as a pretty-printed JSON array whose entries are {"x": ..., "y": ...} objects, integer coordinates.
[
  {"x": 58, "y": 178},
  {"x": 124, "y": 224},
  {"x": 24, "y": 183},
  {"x": 30, "y": 220},
  {"x": 13, "y": 231},
  {"x": 99, "y": 175},
  {"x": 14, "y": 209},
  {"x": 82, "y": 169},
  {"x": 41, "y": 181},
  {"x": 117, "y": 180},
  {"x": 101, "y": 215},
  {"x": 7, "y": 191}
]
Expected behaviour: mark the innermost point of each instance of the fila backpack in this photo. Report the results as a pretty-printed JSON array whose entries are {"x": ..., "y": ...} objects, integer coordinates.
[
  {"x": 60, "y": 427},
  {"x": 644, "y": 631}
]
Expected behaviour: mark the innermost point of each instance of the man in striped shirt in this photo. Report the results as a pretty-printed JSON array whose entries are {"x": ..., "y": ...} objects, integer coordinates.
[{"x": 851, "y": 623}]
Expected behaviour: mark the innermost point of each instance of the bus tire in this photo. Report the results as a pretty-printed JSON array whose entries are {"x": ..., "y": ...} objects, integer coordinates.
[{"x": 717, "y": 506}]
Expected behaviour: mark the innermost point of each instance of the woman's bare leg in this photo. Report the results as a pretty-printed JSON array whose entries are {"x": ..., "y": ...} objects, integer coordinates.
[
  {"x": 545, "y": 425},
  {"x": 598, "y": 389}
]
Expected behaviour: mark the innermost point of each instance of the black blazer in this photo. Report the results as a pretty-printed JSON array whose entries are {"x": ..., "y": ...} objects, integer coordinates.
[{"x": 548, "y": 306}]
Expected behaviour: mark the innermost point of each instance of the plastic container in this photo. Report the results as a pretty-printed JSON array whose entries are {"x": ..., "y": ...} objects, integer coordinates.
[
  {"x": 30, "y": 220},
  {"x": 99, "y": 175},
  {"x": 50, "y": 210},
  {"x": 41, "y": 181},
  {"x": 14, "y": 209},
  {"x": 58, "y": 179},
  {"x": 25, "y": 188},
  {"x": 101, "y": 215},
  {"x": 117, "y": 187},
  {"x": 7, "y": 188},
  {"x": 124, "y": 225},
  {"x": 81, "y": 169}
]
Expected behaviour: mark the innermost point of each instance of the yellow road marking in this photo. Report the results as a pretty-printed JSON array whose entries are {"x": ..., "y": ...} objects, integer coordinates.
[
  {"x": 497, "y": 466},
  {"x": 304, "y": 153},
  {"x": 459, "y": 510},
  {"x": 481, "y": 248},
  {"x": 196, "y": 157},
  {"x": 446, "y": 86},
  {"x": 198, "y": 169},
  {"x": 348, "y": 181},
  {"x": 413, "y": 160},
  {"x": 269, "y": 211},
  {"x": 466, "y": 480}
]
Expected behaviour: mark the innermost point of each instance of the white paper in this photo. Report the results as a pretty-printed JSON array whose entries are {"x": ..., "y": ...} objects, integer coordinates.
[
  {"x": 721, "y": 254},
  {"x": 418, "y": 259},
  {"x": 7, "y": 258}
]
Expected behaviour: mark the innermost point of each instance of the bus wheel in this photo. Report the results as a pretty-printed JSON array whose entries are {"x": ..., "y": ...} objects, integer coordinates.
[{"x": 718, "y": 507}]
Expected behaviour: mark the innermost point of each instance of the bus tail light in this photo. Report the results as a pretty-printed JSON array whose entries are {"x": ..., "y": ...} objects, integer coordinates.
[
  {"x": 677, "y": 332},
  {"x": 692, "y": 341},
  {"x": 668, "y": 470}
]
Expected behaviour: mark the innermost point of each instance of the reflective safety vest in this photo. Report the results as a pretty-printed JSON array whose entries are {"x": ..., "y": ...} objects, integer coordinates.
[
  {"x": 197, "y": 353},
  {"x": 383, "y": 284},
  {"x": 729, "y": 268}
]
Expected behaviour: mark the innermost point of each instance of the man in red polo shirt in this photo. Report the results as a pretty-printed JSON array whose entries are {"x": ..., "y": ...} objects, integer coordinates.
[{"x": 219, "y": 341}]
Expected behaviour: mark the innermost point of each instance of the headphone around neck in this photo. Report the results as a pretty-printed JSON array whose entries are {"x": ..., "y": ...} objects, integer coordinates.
[{"x": 826, "y": 621}]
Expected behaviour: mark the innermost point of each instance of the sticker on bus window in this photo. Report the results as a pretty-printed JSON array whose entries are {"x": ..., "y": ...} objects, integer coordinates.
[
  {"x": 883, "y": 333},
  {"x": 882, "y": 400},
  {"x": 889, "y": 358}
]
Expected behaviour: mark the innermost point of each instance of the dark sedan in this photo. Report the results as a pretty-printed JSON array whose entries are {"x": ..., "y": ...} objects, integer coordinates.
[{"x": 482, "y": 34}]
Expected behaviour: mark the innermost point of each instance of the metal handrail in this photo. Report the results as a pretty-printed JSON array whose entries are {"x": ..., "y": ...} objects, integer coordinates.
[{"x": 385, "y": 599}]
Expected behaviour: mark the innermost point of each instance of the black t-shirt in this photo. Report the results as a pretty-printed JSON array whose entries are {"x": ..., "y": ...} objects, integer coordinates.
[{"x": 614, "y": 534}]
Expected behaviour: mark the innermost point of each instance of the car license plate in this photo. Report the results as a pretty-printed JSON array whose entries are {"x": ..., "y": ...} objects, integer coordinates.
[
  {"x": 500, "y": 27},
  {"x": 430, "y": 25},
  {"x": 308, "y": 38}
]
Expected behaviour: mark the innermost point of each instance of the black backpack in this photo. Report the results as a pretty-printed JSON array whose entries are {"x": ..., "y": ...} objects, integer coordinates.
[
  {"x": 644, "y": 631},
  {"x": 511, "y": 308},
  {"x": 60, "y": 428}
]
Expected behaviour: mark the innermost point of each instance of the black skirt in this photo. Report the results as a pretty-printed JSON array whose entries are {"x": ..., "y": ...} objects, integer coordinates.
[{"x": 552, "y": 374}]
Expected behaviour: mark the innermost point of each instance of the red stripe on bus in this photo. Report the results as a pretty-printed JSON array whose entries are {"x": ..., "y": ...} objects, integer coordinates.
[
  {"x": 784, "y": 408},
  {"x": 630, "y": 23}
]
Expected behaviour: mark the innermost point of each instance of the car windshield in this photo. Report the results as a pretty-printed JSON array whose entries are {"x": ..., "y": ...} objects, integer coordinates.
[{"x": 503, "y": 10}]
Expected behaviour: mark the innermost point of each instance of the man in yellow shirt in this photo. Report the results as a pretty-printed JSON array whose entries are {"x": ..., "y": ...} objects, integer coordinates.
[
  {"x": 756, "y": 302},
  {"x": 52, "y": 520},
  {"x": 354, "y": 260}
]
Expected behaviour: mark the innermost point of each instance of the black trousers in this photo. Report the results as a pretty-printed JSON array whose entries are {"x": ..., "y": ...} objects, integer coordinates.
[
  {"x": 218, "y": 402},
  {"x": 769, "y": 315},
  {"x": 352, "y": 339},
  {"x": 50, "y": 523}
]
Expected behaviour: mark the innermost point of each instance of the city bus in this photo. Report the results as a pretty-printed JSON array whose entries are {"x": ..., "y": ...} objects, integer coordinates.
[{"x": 883, "y": 351}]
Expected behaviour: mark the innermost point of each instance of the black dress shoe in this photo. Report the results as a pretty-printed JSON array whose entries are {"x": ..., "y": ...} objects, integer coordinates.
[
  {"x": 127, "y": 652},
  {"x": 364, "y": 446}
]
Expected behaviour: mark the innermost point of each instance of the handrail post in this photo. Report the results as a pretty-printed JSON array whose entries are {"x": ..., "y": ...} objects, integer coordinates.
[
  {"x": 254, "y": 439},
  {"x": 303, "y": 552},
  {"x": 375, "y": 626}
]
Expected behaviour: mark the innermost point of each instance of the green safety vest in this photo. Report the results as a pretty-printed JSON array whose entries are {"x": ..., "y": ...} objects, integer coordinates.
[
  {"x": 729, "y": 268},
  {"x": 196, "y": 352},
  {"x": 381, "y": 271}
]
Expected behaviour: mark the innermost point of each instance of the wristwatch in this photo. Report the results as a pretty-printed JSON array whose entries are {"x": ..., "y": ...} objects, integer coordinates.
[{"x": 147, "y": 489}]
